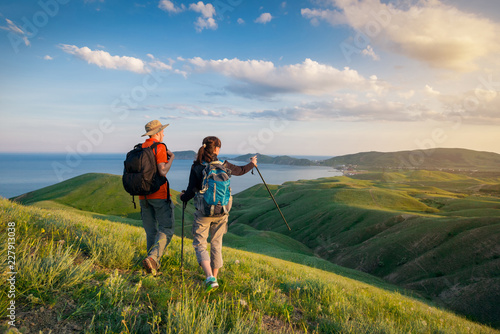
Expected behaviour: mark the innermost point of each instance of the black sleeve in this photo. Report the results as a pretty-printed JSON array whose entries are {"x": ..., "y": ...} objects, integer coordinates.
[
  {"x": 194, "y": 185},
  {"x": 238, "y": 170}
]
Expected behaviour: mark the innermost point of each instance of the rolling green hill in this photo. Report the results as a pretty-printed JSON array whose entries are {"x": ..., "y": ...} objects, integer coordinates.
[
  {"x": 102, "y": 196},
  {"x": 99, "y": 193},
  {"x": 432, "y": 232},
  {"x": 439, "y": 158},
  {"x": 81, "y": 274}
]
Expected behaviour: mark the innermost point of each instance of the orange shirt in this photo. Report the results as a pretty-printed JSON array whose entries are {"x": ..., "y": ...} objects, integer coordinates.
[{"x": 161, "y": 156}]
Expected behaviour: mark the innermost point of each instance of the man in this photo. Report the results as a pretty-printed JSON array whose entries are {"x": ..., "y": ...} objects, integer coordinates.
[{"x": 157, "y": 209}]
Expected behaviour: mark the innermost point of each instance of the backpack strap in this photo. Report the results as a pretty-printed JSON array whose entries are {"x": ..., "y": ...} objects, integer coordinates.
[{"x": 154, "y": 146}]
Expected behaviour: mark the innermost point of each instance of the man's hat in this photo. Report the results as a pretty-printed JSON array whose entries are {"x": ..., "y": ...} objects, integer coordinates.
[{"x": 153, "y": 128}]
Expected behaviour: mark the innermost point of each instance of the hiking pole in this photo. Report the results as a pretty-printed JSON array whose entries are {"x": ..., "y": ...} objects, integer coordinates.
[
  {"x": 182, "y": 234},
  {"x": 269, "y": 191}
]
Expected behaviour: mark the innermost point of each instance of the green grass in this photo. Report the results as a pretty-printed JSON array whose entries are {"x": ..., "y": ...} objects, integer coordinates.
[
  {"x": 92, "y": 192},
  {"x": 83, "y": 290},
  {"x": 433, "y": 233},
  {"x": 407, "y": 231}
]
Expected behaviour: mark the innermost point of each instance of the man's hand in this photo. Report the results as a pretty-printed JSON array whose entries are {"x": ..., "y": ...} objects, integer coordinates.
[{"x": 170, "y": 155}]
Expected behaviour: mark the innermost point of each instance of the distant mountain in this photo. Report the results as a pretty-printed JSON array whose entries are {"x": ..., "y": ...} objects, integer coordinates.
[
  {"x": 185, "y": 155},
  {"x": 279, "y": 160},
  {"x": 439, "y": 158}
]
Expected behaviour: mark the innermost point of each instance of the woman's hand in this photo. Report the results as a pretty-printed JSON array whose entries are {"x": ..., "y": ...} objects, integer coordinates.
[{"x": 254, "y": 160}]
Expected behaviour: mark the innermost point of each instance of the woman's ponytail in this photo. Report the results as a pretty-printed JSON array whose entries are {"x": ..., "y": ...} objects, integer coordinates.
[{"x": 206, "y": 151}]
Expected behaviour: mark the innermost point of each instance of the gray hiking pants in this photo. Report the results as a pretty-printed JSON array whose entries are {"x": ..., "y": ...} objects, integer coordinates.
[{"x": 158, "y": 221}]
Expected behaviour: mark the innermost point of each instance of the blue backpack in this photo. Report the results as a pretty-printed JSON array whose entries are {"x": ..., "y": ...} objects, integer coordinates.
[{"x": 214, "y": 198}]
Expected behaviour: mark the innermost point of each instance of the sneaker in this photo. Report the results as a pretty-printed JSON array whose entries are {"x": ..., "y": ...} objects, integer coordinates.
[
  {"x": 211, "y": 284},
  {"x": 150, "y": 266}
]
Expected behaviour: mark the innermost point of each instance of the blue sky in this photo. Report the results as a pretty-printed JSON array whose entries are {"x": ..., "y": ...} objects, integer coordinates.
[{"x": 319, "y": 77}]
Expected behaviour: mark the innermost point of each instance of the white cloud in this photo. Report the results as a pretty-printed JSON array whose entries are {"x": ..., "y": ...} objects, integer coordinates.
[
  {"x": 264, "y": 18},
  {"x": 431, "y": 91},
  {"x": 206, "y": 11},
  {"x": 170, "y": 7},
  {"x": 315, "y": 15},
  {"x": 241, "y": 21},
  {"x": 369, "y": 52},
  {"x": 13, "y": 28},
  {"x": 206, "y": 20},
  {"x": 430, "y": 31},
  {"x": 179, "y": 111},
  {"x": 345, "y": 108},
  {"x": 158, "y": 65},
  {"x": 208, "y": 23},
  {"x": 47, "y": 57},
  {"x": 407, "y": 95},
  {"x": 258, "y": 77},
  {"x": 479, "y": 106},
  {"x": 104, "y": 60}
]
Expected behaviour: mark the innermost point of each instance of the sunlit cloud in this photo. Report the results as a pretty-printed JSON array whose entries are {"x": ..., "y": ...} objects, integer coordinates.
[
  {"x": 259, "y": 77},
  {"x": 105, "y": 60},
  {"x": 369, "y": 52},
  {"x": 430, "y": 31},
  {"x": 347, "y": 108},
  {"x": 431, "y": 91},
  {"x": 407, "y": 95},
  {"x": 13, "y": 28},
  {"x": 170, "y": 7},
  {"x": 206, "y": 20},
  {"x": 183, "y": 111},
  {"x": 264, "y": 18},
  {"x": 479, "y": 106},
  {"x": 158, "y": 65}
]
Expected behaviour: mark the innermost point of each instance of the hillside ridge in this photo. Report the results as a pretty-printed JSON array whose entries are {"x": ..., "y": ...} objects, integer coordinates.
[
  {"x": 362, "y": 222},
  {"x": 80, "y": 274}
]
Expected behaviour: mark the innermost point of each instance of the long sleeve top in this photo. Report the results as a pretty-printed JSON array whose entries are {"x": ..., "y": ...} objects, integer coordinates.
[{"x": 196, "y": 177}]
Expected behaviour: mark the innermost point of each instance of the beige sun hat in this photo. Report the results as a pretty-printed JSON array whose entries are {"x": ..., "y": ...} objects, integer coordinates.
[{"x": 153, "y": 128}]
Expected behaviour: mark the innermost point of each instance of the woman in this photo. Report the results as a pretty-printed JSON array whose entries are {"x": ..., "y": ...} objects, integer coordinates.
[{"x": 214, "y": 222}]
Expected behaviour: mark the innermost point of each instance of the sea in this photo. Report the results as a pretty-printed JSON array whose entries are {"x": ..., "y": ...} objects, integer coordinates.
[{"x": 21, "y": 173}]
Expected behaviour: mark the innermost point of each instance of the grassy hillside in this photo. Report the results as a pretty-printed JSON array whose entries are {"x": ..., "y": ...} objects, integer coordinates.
[
  {"x": 100, "y": 193},
  {"x": 102, "y": 196},
  {"x": 80, "y": 274},
  {"x": 445, "y": 158},
  {"x": 432, "y": 232}
]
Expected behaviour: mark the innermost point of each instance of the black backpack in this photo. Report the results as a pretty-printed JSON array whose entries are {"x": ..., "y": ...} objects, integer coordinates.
[{"x": 140, "y": 172}]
